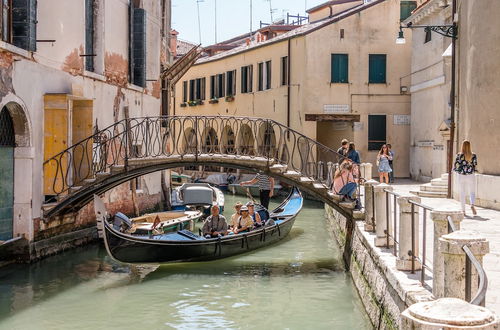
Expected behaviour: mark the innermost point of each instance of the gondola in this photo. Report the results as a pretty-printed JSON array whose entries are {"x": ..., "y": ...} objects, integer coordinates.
[
  {"x": 201, "y": 196},
  {"x": 184, "y": 245}
]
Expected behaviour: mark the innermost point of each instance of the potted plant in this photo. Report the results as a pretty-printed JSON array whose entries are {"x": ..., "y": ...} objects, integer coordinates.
[
  {"x": 213, "y": 101},
  {"x": 229, "y": 98},
  {"x": 199, "y": 102},
  {"x": 183, "y": 104},
  {"x": 192, "y": 103}
]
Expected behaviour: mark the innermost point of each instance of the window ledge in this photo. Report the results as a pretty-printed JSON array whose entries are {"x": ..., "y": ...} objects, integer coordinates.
[
  {"x": 16, "y": 50},
  {"x": 94, "y": 75},
  {"x": 136, "y": 88}
]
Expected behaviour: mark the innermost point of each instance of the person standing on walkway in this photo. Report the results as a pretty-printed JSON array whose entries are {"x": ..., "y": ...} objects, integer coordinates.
[
  {"x": 353, "y": 154},
  {"x": 266, "y": 188},
  {"x": 342, "y": 150},
  {"x": 465, "y": 166},
  {"x": 384, "y": 168},
  {"x": 391, "y": 153}
]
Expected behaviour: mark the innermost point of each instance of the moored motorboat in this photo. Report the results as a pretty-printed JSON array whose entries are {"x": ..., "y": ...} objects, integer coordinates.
[
  {"x": 202, "y": 196},
  {"x": 159, "y": 222},
  {"x": 184, "y": 245}
]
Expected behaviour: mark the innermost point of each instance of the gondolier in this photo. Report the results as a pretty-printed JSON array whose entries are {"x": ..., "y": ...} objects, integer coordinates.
[{"x": 266, "y": 187}]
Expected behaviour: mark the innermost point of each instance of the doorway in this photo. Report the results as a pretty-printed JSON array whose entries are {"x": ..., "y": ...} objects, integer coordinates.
[{"x": 7, "y": 145}]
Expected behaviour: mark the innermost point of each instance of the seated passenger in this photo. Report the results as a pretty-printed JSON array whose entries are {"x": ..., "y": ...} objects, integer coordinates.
[
  {"x": 345, "y": 183},
  {"x": 245, "y": 221},
  {"x": 215, "y": 225},
  {"x": 235, "y": 216},
  {"x": 255, "y": 215}
]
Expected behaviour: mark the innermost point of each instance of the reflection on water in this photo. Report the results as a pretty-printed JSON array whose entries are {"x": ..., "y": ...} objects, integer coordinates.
[{"x": 297, "y": 283}]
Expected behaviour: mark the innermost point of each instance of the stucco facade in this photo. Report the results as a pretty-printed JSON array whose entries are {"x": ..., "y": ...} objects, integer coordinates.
[
  {"x": 58, "y": 67},
  {"x": 308, "y": 100}
]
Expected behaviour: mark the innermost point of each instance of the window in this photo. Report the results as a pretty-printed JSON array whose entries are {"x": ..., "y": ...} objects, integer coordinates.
[
  {"x": 284, "y": 71},
  {"x": 428, "y": 36},
  {"x": 89, "y": 34},
  {"x": 200, "y": 89},
  {"x": 376, "y": 131},
  {"x": 247, "y": 79},
  {"x": 220, "y": 85},
  {"x": 138, "y": 47},
  {"x": 406, "y": 7},
  {"x": 184, "y": 91},
  {"x": 264, "y": 75},
  {"x": 213, "y": 87},
  {"x": 377, "y": 68},
  {"x": 340, "y": 68},
  {"x": 192, "y": 90},
  {"x": 18, "y": 23},
  {"x": 231, "y": 83}
]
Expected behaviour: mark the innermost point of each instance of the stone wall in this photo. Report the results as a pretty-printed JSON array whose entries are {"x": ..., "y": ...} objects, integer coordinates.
[{"x": 384, "y": 291}]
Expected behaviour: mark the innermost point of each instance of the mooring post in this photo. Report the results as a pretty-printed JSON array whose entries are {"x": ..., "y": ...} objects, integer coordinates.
[{"x": 440, "y": 220}]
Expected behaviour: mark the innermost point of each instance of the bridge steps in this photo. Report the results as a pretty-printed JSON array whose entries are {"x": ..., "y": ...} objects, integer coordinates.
[
  {"x": 102, "y": 175},
  {"x": 278, "y": 168},
  {"x": 306, "y": 180},
  {"x": 292, "y": 174},
  {"x": 319, "y": 186},
  {"x": 117, "y": 168}
]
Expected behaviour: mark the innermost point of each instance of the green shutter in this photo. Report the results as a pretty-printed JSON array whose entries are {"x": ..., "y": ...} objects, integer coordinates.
[
  {"x": 376, "y": 131},
  {"x": 340, "y": 68},
  {"x": 139, "y": 47},
  {"x": 377, "y": 69},
  {"x": 24, "y": 24},
  {"x": 406, "y": 8}
]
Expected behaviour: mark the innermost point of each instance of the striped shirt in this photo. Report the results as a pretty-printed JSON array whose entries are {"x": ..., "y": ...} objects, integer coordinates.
[{"x": 264, "y": 182}]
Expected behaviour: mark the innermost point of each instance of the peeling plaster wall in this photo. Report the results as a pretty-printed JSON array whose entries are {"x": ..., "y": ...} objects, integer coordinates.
[{"x": 57, "y": 67}]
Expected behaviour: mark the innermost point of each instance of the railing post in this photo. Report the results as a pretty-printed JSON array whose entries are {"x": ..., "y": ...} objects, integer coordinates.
[
  {"x": 369, "y": 205},
  {"x": 408, "y": 237},
  {"x": 455, "y": 275},
  {"x": 381, "y": 213},
  {"x": 365, "y": 170},
  {"x": 331, "y": 172},
  {"x": 440, "y": 221}
]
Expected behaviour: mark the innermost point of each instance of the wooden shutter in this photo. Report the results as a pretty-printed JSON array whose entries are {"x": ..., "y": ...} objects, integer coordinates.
[
  {"x": 250, "y": 79},
  {"x": 244, "y": 79},
  {"x": 406, "y": 7},
  {"x": 261, "y": 76},
  {"x": 24, "y": 24},
  {"x": 233, "y": 86},
  {"x": 139, "y": 47},
  {"x": 268, "y": 75},
  {"x": 213, "y": 87},
  {"x": 89, "y": 34},
  {"x": 377, "y": 68},
  {"x": 376, "y": 131},
  {"x": 340, "y": 68},
  {"x": 203, "y": 87},
  {"x": 184, "y": 91}
]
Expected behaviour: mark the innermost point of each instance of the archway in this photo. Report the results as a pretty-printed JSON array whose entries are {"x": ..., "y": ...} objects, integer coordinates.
[
  {"x": 246, "y": 141},
  {"x": 228, "y": 141},
  {"x": 210, "y": 141},
  {"x": 7, "y": 145},
  {"x": 267, "y": 140}
]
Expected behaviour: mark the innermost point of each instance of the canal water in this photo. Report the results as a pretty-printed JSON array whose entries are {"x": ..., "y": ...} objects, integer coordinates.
[{"x": 298, "y": 283}]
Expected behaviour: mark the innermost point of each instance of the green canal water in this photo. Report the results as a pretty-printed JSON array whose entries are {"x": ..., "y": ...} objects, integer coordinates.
[{"x": 295, "y": 284}]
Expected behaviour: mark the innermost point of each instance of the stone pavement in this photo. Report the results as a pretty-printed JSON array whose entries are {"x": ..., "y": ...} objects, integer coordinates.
[{"x": 486, "y": 222}]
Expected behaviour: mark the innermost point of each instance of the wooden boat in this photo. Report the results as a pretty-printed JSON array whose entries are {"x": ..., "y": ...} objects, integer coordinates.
[
  {"x": 200, "y": 196},
  {"x": 168, "y": 221},
  {"x": 186, "y": 246}
]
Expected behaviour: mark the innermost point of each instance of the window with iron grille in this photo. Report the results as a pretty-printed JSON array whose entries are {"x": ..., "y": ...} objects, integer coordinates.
[
  {"x": 376, "y": 131},
  {"x": 18, "y": 23},
  {"x": 7, "y": 136}
]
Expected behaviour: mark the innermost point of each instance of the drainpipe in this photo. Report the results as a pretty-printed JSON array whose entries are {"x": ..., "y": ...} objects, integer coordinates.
[
  {"x": 289, "y": 87},
  {"x": 452, "y": 97}
]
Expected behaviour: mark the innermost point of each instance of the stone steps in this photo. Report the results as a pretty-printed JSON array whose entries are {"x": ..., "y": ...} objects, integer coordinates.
[
  {"x": 439, "y": 182},
  {"x": 435, "y": 188},
  {"x": 430, "y": 194}
]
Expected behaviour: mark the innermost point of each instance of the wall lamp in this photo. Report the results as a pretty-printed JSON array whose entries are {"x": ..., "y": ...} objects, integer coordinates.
[{"x": 448, "y": 30}]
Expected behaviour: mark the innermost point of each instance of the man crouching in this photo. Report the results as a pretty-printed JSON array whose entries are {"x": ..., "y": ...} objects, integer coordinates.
[{"x": 215, "y": 225}]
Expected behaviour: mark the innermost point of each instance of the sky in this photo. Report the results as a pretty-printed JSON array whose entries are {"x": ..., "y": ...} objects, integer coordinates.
[{"x": 233, "y": 16}]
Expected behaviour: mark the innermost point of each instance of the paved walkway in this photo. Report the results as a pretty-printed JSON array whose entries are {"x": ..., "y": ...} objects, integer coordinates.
[{"x": 486, "y": 222}]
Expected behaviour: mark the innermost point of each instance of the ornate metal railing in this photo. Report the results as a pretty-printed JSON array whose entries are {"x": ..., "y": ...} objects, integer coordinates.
[{"x": 187, "y": 136}]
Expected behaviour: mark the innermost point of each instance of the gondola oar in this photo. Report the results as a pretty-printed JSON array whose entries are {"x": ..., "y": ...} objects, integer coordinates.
[{"x": 249, "y": 195}]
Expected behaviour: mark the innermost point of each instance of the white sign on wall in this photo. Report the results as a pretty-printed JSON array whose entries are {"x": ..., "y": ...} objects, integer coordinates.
[
  {"x": 402, "y": 119},
  {"x": 425, "y": 143},
  {"x": 336, "y": 108},
  {"x": 358, "y": 126}
]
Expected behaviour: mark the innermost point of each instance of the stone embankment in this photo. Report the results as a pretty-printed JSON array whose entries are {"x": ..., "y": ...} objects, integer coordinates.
[{"x": 409, "y": 262}]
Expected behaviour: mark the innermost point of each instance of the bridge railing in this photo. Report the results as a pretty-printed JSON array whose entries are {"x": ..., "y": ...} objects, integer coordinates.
[{"x": 187, "y": 136}]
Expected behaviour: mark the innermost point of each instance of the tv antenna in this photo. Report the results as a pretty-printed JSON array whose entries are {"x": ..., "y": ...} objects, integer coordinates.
[
  {"x": 199, "y": 21},
  {"x": 271, "y": 9},
  {"x": 215, "y": 21}
]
